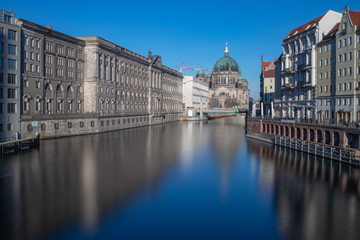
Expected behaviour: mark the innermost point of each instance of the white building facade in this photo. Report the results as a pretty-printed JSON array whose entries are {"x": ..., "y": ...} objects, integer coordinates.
[
  {"x": 299, "y": 68},
  {"x": 195, "y": 92}
]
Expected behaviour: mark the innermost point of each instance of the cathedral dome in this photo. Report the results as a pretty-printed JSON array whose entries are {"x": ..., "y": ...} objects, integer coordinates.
[
  {"x": 200, "y": 73},
  {"x": 226, "y": 63}
]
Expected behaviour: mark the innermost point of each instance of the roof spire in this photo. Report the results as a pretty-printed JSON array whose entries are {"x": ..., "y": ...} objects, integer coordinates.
[{"x": 226, "y": 50}]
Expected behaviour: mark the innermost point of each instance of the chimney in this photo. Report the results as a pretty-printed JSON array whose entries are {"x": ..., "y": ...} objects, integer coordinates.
[{"x": 49, "y": 27}]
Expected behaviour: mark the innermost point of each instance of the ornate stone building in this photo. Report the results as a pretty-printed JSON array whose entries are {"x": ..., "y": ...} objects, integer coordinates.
[
  {"x": 84, "y": 85},
  {"x": 228, "y": 88},
  {"x": 9, "y": 76}
]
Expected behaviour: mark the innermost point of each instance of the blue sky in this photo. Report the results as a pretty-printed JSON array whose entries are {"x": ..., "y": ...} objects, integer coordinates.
[{"x": 194, "y": 32}]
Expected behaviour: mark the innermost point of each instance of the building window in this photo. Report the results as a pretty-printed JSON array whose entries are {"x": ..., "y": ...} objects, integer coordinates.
[
  {"x": 60, "y": 50},
  {"x": 37, "y": 106},
  {"x": 11, "y": 49},
  {"x": 350, "y": 71},
  {"x": 350, "y": 56},
  {"x": 11, "y": 34},
  {"x": 69, "y": 124},
  {"x": 56, "y": 126},
  {"x": 49, "y": 47},
  {"x": 9, "y": 127},
  {"x": 11, "y": 78},
  {"x": 11, "y": 93},
  {"x": 11, "y": 107},
  {"x": 339, "y": 44},
  {"x": 43, "y": 127},
  {"x": 11, "y": 64}
]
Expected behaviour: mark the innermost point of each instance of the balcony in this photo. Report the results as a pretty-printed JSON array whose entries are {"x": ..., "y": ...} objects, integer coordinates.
[
  {"x": 290, "y": 70},
  {"x": 300, "y": 67},
  {"x": 288, "y": 86}
]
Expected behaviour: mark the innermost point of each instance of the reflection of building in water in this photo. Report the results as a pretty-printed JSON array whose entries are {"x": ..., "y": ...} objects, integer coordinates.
[
  {"x": 192, "y": 141},
  {"x": 226, "y": 148},
  {"x": 311, "y": 193},
  {"x": 54, "y": 190}
]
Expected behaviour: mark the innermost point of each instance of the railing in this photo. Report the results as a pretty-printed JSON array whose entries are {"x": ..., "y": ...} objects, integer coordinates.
[
  {"x": 19, "y": 145},
  {"x": 339, "y": 154},
  {"x": 312, "y": 121}
]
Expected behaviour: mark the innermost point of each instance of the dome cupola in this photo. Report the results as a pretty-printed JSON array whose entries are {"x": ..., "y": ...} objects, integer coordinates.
[{"x": 226, "y": 63}]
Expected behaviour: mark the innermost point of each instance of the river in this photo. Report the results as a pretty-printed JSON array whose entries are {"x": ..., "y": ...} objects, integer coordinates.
[{"x": 182, "y": 180}]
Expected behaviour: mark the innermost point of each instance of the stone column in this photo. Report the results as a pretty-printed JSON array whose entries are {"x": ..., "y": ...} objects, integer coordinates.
[
  {"x": 323, "y": 139},
  {"x": 342, "y": 140},
  {"x": 331, "y": 138},
  {"x": 315, "y": 135}
]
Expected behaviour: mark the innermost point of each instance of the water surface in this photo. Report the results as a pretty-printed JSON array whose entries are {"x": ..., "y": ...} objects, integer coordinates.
[{"x": 183, "y": 180}]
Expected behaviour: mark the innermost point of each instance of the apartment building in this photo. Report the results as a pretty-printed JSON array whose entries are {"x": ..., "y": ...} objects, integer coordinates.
[{"x": 299, "y": 66}]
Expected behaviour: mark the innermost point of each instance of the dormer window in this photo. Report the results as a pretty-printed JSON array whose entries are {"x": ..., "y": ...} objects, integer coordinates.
[{"x": 344, "y": 26}]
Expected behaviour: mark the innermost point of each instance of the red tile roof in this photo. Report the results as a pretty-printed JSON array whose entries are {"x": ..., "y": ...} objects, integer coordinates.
[
  {"x": 355, "y": 18},
  {"x": 303, "y": 28},
  {"x": 265, "y": 64},
  {"x": 269, "y": 73}
]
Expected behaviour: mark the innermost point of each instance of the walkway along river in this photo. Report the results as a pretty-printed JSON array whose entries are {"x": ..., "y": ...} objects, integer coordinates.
[{"x": 182, "y": 180}]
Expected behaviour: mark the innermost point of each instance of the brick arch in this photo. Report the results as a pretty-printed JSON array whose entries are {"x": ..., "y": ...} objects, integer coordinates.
[
  {"x": 298, "y": 133},
  {"x": 336, "y": 136},
  {"x": 305, "y": 134},
  {"x": 319, "y": 135},
  {"x": 287, "y": 131}
]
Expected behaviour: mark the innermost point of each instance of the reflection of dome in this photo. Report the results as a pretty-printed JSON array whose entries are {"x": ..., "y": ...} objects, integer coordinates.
[
  {"x": 226, "y": 63},
  {"x": 200, "y": 73}
]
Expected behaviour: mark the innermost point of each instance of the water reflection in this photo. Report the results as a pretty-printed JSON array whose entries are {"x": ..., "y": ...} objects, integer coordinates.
[
  {"x": 314, "y": 198},
  {"x": 183, "y": 176}
]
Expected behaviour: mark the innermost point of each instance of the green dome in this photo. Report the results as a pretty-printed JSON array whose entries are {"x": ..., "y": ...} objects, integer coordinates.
[
  {"x": 242, "y": 78},
  {"x": 226, "y": 63},
  {"x": 209, "y": 75},
  {"x": 200, "y": 73}
]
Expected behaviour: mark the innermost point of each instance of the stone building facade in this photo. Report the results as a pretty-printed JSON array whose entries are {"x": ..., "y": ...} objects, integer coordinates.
[
  {"x": 326, "y": 77},
  {"x": 298, "y": 78},
  {"x": 10, "y": 64},
  {"x": 85, "y": 85},
  {"x": 347, "y": 81},
  {"x": 228, "y": 88}
]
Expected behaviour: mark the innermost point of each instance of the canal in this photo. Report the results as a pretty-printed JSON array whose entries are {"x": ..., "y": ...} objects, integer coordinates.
[{"x": 183, "y": 180}]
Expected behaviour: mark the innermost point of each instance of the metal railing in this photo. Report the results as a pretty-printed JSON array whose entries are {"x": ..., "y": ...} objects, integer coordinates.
[{"x": 338, "y": 154}]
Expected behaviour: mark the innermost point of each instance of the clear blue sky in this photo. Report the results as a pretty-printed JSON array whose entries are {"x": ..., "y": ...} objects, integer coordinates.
[{"x": 194, "y": 32}]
